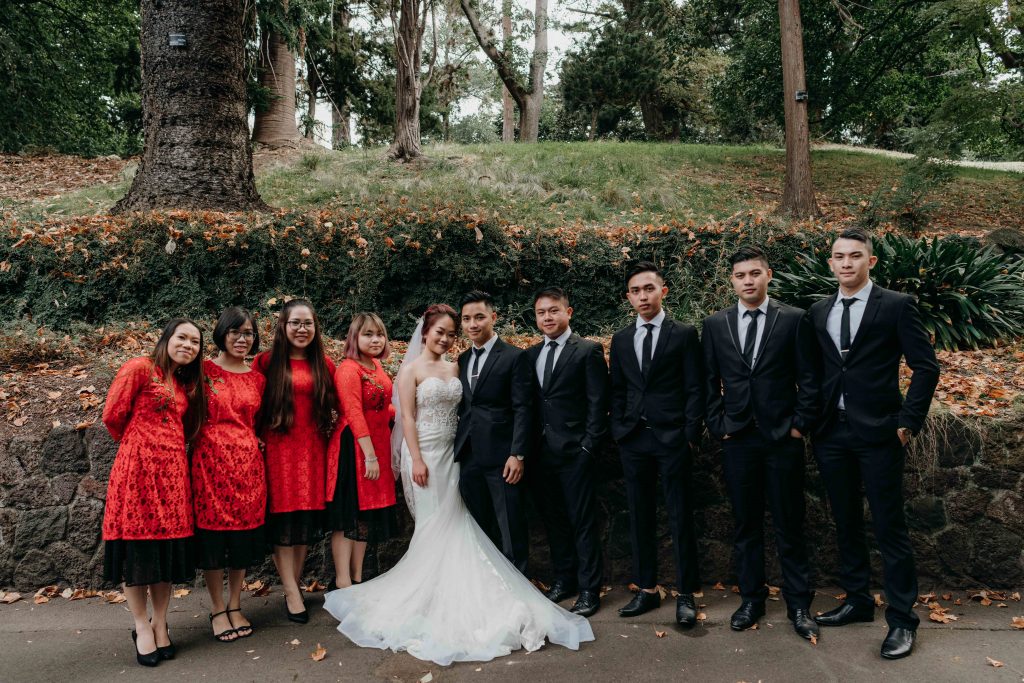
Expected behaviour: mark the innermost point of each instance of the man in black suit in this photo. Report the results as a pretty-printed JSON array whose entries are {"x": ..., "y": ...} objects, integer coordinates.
[
  {"x": 864, "y": 331},
  {"x": 571, "y": 395},
  {"x": 761, "y": 401},
  {"x": 656, "y": 409},
  {"x": 495, "y": 428}
]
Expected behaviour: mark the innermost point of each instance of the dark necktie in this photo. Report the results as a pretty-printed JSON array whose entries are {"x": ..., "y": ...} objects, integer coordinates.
[
  {"x": 648, "y": 350},
  {"x": 751, "y": 339},
  {"x": 844, "y": 328},
  {"x": 549, "y": 363},
  {"x": 475, "y": 374}
]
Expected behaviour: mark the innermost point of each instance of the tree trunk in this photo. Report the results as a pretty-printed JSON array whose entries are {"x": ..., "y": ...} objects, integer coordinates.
[
  {"x": 798, "y": 190},
  {"x": 275, "y": 126},
  {"x": 196, "y": 153},
  {"x": 528, "y": 98},
  {"x": 341, "y": 133},
  {"x": 593, "y": 124},
  {"x": 406, "y": 145},
  {"x": 312, "y": 92},
  {"x": 508, "y": 122}
]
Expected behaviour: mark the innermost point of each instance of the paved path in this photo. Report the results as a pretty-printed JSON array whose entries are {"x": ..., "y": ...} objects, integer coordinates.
[
  {"x": 1007, "y": 166},
  {"x": 88, "y": 640}
]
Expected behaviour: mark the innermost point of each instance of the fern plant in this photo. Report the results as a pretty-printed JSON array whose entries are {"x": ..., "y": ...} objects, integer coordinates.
[{"x": 968, "y": 297}]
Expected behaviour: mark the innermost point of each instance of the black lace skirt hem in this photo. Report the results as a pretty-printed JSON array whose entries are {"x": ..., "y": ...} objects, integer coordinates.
[
  {"x": 141, "y": 563},
  {"x": 230, "y": 549},
  {"x": 302, "y": 527},
  {"x": 343, "y": 513}
]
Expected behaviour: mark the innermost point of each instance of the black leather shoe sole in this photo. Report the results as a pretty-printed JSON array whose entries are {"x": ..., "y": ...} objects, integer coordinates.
[{"x": 852, "y": 618}]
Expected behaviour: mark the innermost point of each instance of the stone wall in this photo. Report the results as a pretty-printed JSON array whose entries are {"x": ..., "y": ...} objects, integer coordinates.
[{"x": 964, "y": 484}]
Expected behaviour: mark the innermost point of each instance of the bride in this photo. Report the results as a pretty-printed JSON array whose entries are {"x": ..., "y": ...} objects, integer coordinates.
[{"x": 453, "y": 597}]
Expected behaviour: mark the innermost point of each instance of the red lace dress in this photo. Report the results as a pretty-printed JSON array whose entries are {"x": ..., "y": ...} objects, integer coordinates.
[
  {"x": 229, "y": 485},
  {"x": 147, "y": 523},
  {"x": 296, "y": 463},
  {"x": 361, "y": 507}
]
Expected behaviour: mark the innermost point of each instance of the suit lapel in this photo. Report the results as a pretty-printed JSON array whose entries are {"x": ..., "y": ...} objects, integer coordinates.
[
  {"x": 467, "y": 392},
  {"x": 870, "y": 311},
  {"x": 629, "y": 352},
  {"x": 562, "y": 359},
  {"x": 821, "y": 328},
  {"x": 667, "y": 325},
  {"x": 769, "y": 325},
  {"x": 732, "y": 321},
  {"x": 489, "y": 360}
]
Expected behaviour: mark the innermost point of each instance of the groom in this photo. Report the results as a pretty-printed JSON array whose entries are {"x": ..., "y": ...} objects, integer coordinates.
[{"x": 495, "y": 428}]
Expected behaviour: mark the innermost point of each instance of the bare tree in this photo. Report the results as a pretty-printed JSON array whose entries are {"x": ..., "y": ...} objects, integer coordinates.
[
  {"x": 196, "y": 153},
  {"x": 275, "y": 125},
  {"x": 798, "y": 190},
  {"x": 409, "y": 28},
  {"x": 528, "y": 96}
]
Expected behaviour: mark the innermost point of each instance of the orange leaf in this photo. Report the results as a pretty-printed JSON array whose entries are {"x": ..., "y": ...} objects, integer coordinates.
[
  {"x": 718, "y": 587},
  {"x": 994, "y": 662},
  {"x": 319, "y": 653},
  {"x": 181, "y": 592},
  {"x": 701, "y": 617},
  {"x": 879, "y": 602},
  {"x": 814, "y": 639},
  {"x": 8, "y": 598},
  {"x": 314, "y": 586},
  {"x": 659, "y": 634},
  {"x": 1016, "y": 622},
  {"x": 40, "y": 599}
]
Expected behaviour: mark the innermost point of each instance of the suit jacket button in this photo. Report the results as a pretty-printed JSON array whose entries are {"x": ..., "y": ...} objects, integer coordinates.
[{"x": 844, "y": 368}]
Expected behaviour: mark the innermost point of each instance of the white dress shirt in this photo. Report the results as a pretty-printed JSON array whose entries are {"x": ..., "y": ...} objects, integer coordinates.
[
  {"x": 641, "y": 332},
  {"x": 488, "y": 345},
  {"x": 545, "y": 350},
  {"x": 743, "y": 323},
  {"x": 835, "y": 319}
]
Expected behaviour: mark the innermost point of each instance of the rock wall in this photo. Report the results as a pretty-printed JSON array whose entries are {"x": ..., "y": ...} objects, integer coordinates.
[{"x": 964, "y": 490}]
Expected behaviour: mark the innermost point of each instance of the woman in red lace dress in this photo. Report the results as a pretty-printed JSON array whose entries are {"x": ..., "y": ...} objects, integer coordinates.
[
  {"x": 229, "y": 484},
  {"x": 361, "y": 483},
  {"x": 154, "y": 406},
  {"x": 296, "y": 420}
]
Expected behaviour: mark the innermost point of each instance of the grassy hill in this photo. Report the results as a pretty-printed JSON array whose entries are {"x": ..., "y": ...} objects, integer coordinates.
[{"x": 608, "y": 183}]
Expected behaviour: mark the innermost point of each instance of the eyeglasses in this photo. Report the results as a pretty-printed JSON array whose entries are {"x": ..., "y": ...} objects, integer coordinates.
[
  {"x": 305, "y": 325},
  {"x": 247, "y": 334}
]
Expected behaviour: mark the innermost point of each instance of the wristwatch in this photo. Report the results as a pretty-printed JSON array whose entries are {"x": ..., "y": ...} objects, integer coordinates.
[
  {"x": 520, "y": 458},
  {"x": 905, "y": 433}
]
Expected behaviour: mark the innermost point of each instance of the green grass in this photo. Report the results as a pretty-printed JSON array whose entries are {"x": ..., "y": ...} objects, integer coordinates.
[{"x": 595, "y": 183}]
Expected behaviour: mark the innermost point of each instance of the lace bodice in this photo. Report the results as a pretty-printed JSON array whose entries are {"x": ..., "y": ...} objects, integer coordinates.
[{"x": 437, "y": 403}]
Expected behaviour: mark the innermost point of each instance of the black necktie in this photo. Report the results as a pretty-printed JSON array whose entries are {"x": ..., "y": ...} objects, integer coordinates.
[
  {"x": 844, "y": 328},
  {"x": 751, "y": 339},
  {"x": 476, "y": 368},
  {"x": 648, "y": 350},
  {"x": 549, "y": 363}
]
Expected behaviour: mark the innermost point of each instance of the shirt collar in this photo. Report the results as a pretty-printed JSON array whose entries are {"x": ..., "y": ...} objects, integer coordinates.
[
  {"x": 861, "y": 294},
  {"x": 561, "y": 339},
  {"x": 656, "y": 321},
  {"x": 763, "y": 307},
  {"x": 489, "y": 344}
]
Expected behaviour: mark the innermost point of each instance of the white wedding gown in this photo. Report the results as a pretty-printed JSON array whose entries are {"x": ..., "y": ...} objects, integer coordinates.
[{"x": 453, "y": 597}]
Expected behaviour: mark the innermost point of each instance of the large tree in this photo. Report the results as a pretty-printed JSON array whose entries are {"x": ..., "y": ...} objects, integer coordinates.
[
  {"x": 798, "y": 187},
  {"x": 409, "y": 27},
  {"x": 274, "y": 123},
  {"x": 196, "y": 152},
  {"x": 527, "y": 93}
]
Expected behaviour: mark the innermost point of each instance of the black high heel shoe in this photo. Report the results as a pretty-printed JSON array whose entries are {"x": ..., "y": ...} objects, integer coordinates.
[
  {"x": 297, "y": 617},
  {"x": 151, "y": 659}
]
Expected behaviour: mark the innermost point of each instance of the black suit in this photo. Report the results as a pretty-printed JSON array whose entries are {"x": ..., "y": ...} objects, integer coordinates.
[
  {"x": 653, "y": 420},
  {"x": 859, "y": 445},
  {"x": 495, "y": 422},
  {"x": 755, "y": 407},
  {"x": 572, "y": 410}
]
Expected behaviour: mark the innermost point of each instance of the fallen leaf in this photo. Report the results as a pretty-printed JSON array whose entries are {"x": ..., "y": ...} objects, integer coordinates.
[
  {"x": 605, "y": 590},
  {"x": 702, "y": 617},
  {"x": 20, "y": 422},
  {"x": 718, "y": 587},
  {"x": 82, "y": 593},
  {"x": 994, "y": 662},
  {"x": 699, "y": 594},
  {"x": 879, "y": 602},
  {"x": 957, "y": 602},
  {"x": 294, "y": 641},
  {"x": 427, "y": 677},
  {"x": 736, "y": 589},
  {"x": 53, "y": 394},
  {"x": 541, "y": 586},
  {"x": 985, "y": 602},
  {"x": 928, "y": 597},
  {"x": 314, "y": 586},
  {"x": 1016, "y": 622},
  {"x": 1015, "y": 596},
  {"x": 814, "y": 639},
  {"x": 319, "y": 653},
  {"x": 633, "y": 587},
  {"x": 261, "y": 591},
  {"x": 947, "y": 596},
  {"x": 659, "y": 634},
  {"x": 662, "y": 592},
  {"x": 754, "y": 627},
  {"x": 941, "y": 617},
  {"x": 181, "y": 592},
  {"x": 8, "y": 598},
  {"x": 774, "y": 590},
  {"x": 40, "y": 599},
  {"x": 50, "y": 591},
  {"x": 67, "y": 593},
  {"x": 114, "y": 597},
  {"x": 1002, "y": 604},
  {"x": 84, "y": 425}
]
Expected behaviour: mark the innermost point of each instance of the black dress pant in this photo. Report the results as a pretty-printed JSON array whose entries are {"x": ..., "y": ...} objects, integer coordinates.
[
  {"x": 644, "y": 458},
  {"x": 846, "y": 463},
  {"x": 564, "y": 488},
  {"x": 757, "y": 469},
  {"x": 498, "y": 507}
]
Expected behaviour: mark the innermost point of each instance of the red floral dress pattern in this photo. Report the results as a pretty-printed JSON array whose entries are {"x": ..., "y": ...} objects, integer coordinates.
[
  {"x": 229, "y": 484},
  {"x": 365, "y": 397},
  {"x": 149, "y": 495},
  {"x": 296, "y": 459}
]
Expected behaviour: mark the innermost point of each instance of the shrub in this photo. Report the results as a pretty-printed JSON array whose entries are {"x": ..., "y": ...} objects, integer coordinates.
[
  {"x": 392, "y": 260},
  {"x": 968, "y": 297},
  {"x": 907, "y": 203}
]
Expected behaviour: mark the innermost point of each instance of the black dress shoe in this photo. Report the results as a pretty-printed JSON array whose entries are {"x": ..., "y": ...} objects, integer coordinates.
[
  {"x": 686, "y": 610},
  {"x": 587, "y": 604},
  {"x": 747, "y": 615},
  {"x": 297, "y": 617},
  {"x": 846, "y": 614},
  {"x": 560, "y": 590},
  {"x": 151, "y": 659},
  {"x": 642, "y": 602},
  {"x": 898, "y": 643},
  {"x": 803, "y": 624}
]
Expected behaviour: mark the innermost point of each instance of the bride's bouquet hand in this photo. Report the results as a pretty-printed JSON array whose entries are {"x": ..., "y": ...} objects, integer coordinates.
[{"x": 420, "y": 473}]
